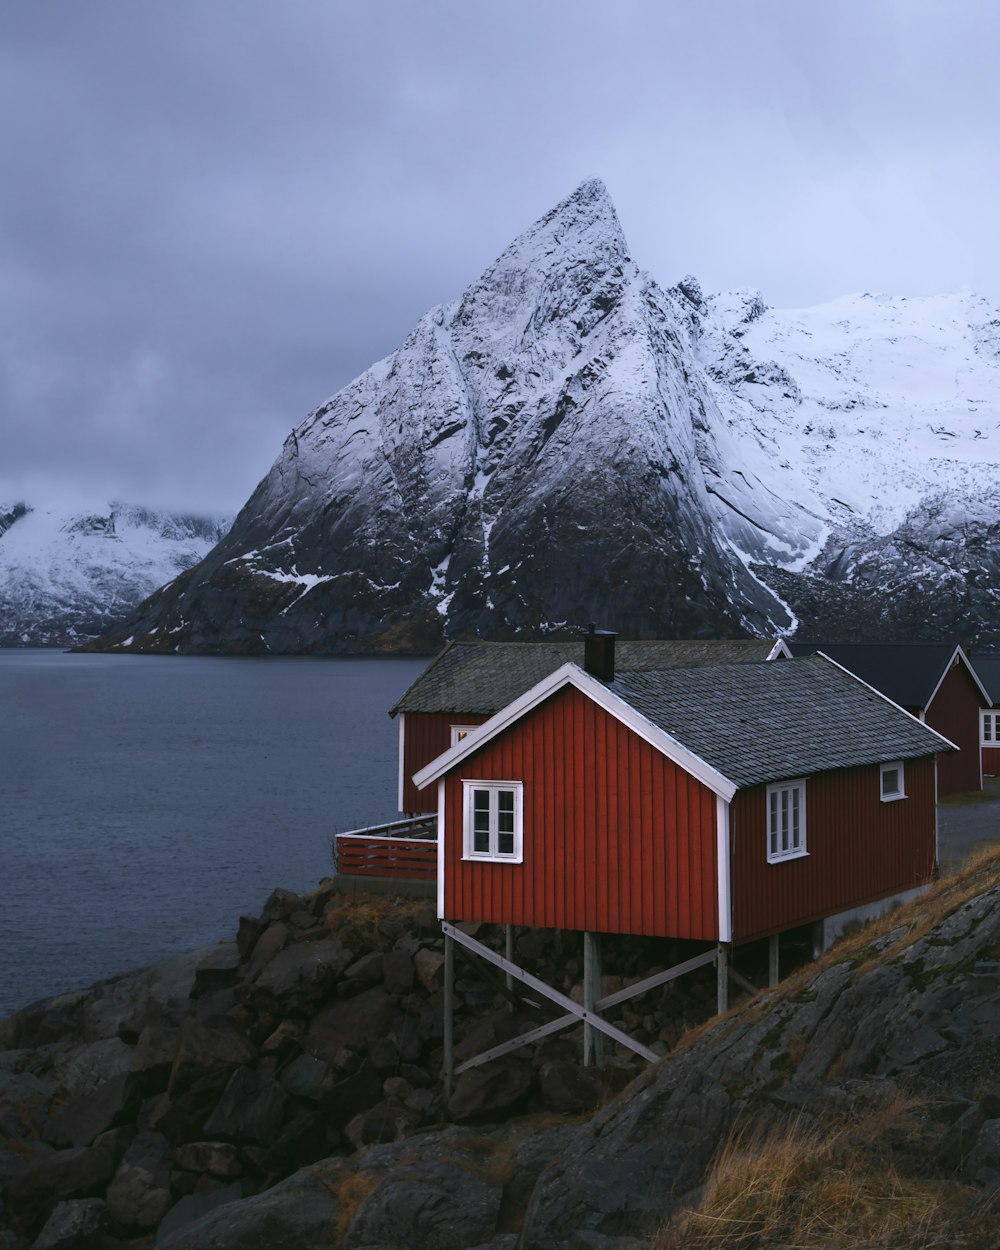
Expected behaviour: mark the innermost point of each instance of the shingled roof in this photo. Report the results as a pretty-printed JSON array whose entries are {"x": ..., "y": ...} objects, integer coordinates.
[
  {"x": 482, "y": 677},
  {"x": 767, "y": 722},
  {"x": 908, "y": 672}
]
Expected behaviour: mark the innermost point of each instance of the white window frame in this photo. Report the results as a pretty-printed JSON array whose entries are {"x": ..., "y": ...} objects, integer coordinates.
[
  {"x": 991, "y": 717},
  {"x": 493, "y": 855},
  {"x": 891, "y": 796},
  {"x": 458, "y": 732},
  {"x": 798, "y": 851}
]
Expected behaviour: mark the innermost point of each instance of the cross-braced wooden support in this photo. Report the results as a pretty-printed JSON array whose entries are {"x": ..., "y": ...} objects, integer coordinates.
[{"x": 587, "y": 1014}]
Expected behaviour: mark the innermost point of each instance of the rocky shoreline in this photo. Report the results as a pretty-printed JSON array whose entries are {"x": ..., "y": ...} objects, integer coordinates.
[{"x": 283, "y": 1089}]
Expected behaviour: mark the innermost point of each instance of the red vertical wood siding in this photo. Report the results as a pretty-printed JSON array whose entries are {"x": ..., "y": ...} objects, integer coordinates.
[
  {"x": 991, "y": 761},
  {"x": 860, "y": 849},
  {"x": 954, "y": 712},
  {"x": 617, "y": 838},
  {"x": 425, "y": 736}
]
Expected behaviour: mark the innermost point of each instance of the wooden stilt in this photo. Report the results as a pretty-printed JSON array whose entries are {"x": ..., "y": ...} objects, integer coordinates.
[
  {"x": 449, "y": 1016},
  {"x": 773, "y": 960},
  {"x": 723, "y": 956},
  {"x": 509, "y": 950},
  {"x": 593, "y": 1041}
]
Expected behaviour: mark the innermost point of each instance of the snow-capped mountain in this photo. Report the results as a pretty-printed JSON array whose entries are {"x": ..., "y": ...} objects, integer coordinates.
[
  {"x": 67, "y": 573},
  {"x": 570, "y": 442}
]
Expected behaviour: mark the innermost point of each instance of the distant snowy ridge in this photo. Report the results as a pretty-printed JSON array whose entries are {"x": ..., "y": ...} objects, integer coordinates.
[
  {"x": 68, "y": 573},
  {"x": 570, "y": 442}
]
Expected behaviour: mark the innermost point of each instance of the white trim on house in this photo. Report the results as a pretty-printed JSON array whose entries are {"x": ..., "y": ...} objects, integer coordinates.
[
  {"x": 794, "y": 827},
  {"x": 572, "y": 674},
  {"x": 919, "y": 719},
  {"x": 779, "y": 651},
  {"x": 494, "y": 789},
  {"x": 891, "y": 796},
  {"x": 402, "y": 747},
  {"x": 723, "y": 869},
  {"x": 457, "y": 732},
  {"x": 994, "y": 714},
  {"x": 440, "y": 827}
]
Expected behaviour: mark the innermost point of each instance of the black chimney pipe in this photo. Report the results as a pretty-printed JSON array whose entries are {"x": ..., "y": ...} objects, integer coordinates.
[{"x": 599, "y": 653}]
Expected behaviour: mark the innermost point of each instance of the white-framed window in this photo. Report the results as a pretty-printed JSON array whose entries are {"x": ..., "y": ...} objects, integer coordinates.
[
  {"x": 493, "y": 821},
  {"x": 989, "y": 728},
  {"x": 891, "y": 781},
  {"x": 786, "y": 820},
  {"x": 458, "y": 732}
]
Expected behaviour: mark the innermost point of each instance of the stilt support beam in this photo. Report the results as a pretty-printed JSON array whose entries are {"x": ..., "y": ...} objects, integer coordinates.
[
  {"x": 773, "y": 959},
  {"x": 449, "y": 1016},
  {"x": 593, "y": 1042},
  {"x": 723, "y": 961}
]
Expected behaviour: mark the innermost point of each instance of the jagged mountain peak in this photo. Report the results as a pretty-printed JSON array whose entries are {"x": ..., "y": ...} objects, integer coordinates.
[
  {"x": 573, "y": 256},
  {"x": 569, "y": 442}
]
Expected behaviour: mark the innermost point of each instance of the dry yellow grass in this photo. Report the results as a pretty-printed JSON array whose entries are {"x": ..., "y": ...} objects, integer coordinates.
[
  {"x": 813, "y": 1186},
  {"x": 363, "y": 913}
]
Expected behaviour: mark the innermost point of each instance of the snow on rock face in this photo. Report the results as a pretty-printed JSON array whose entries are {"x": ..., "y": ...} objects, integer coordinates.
[
  {"x": 570, "y": 442},
  {"x": 68, "y": 574}
]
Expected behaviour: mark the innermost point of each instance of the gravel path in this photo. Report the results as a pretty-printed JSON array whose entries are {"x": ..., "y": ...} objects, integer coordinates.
[{"x": 965, "y": 828}]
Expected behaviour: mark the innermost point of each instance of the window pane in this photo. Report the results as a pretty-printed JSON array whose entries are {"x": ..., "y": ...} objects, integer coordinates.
[
  {"x": 794, "y": 840},
  {"x": 505, "y": 843},
  {"x": 481, "y": 821},
  {"x": 890, "y": 781}
]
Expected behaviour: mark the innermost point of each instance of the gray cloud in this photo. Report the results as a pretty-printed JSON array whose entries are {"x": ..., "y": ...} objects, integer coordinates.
[{"x": 214, "y": 215}]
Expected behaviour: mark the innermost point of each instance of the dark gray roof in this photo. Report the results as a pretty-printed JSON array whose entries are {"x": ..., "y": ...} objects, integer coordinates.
[
  {"x": 482, "y": 677},
  {"x": 908, "y": 672},
  {"x": 767, "y": 722},
  {"x": 988, "y": 671}
]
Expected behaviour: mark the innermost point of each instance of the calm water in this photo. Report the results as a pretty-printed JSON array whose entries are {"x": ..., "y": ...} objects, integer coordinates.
[{"x": 146, "y": 801}]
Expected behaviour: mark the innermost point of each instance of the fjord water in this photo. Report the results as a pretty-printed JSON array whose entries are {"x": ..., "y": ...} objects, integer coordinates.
[{"x": 146, "y": 801}]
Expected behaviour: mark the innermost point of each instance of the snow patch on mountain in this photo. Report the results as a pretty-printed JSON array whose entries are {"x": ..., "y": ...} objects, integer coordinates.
[{"x": 68, "y": 573}]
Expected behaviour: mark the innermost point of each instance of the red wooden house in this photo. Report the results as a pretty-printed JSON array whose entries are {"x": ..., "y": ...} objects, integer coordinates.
[
  {"x": 933, "y": 680},
  {"x": 720, "y": 804},
  {"x": 470, "y": 681}
]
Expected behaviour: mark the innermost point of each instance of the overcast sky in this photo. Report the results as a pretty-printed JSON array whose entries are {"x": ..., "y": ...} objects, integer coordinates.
[{"x": 215, "y": 213}]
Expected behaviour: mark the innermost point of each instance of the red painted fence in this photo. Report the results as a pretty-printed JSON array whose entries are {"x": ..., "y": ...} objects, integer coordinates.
[{"x": 376, "y": 852}]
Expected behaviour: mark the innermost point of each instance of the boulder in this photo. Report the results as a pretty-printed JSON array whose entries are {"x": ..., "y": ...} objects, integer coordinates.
[
  {"x": 300, "y": 1213},
  {"x": 429, "y": 967},
  {"x": 109, "y": 1105},
  {"x": 304, "y": 1138},
  {"x": 308, "y": 1078},
  {"x": 272, "y": 940},
  {"x": 247, "y": 935},
  {"x": 397, "y": 972},
  {"x": 139, "y": 1195},
  {"x": 205, "y": 1050},
  {"x": 189, "y": 1211},
  {"x": 90, "y": 1065},
  {"x": 356, "y": 1093},
  {"x": 214, "y": 1157},
  {"x": 25, "y": 1100},
  {"x": 300, "y": 975},
  {"x": 491, "y": 1091},
  {"x": 75, "y": 1225},
  {"x": 153, "y": 1057},
  {"x": 281, "y": 904},
  {"x": 217, "y": 970},
  {"x": 250, "y": 1110},
  {"x": 64, "y": 1174},
  {"x": 569, "y": 1089},
  {"x": 349, "y": 1023}
]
